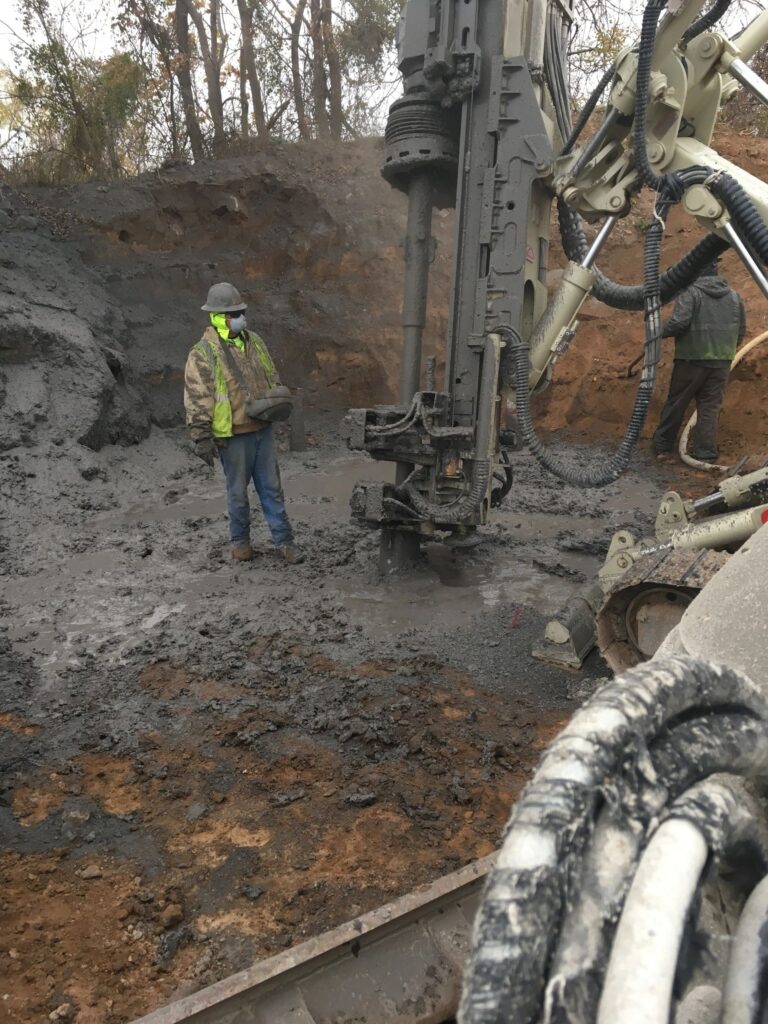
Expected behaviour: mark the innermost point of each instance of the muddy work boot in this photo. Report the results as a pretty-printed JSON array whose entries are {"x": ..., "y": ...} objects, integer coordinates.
[
  {"x": 242, "y": 552},
  {"x": 291, "y": 554}
]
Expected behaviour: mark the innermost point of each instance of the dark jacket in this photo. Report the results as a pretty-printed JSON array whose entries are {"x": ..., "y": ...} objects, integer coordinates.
[{"x": 707, "y": 322}]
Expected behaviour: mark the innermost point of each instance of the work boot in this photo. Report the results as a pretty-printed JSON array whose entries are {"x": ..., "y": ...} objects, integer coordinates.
[
  {"x": 242, "y": 552},
  {"x": 291, "y": 554}
]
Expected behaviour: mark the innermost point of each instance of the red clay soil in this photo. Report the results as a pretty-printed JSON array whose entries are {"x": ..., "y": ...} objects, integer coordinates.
[{"x": 264, "y": 830}]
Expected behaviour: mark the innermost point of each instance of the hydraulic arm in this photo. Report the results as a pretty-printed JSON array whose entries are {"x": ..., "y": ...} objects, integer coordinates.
[{"x": 484, "y": 125}]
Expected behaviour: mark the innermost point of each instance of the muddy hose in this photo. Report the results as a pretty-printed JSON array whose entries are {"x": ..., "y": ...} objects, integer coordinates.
[
  {"x": 744, "y": 995},
  {"x": 630, "y": 297},
  {"x": 709, "y": 821},
  {"x": 627, "y": 761},
  {"x": 456, "y": 511},
  {"x": 606, "y": 471},
  {"x": 682, "y": 447},
  {"x": 682, "y": 755}
]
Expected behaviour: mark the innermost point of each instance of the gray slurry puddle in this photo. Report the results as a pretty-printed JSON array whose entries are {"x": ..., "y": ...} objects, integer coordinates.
[{"x": 150, "y": 566}]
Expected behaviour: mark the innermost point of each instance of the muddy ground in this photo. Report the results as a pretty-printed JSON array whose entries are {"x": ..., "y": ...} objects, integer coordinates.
[{"x": 203, "y": 763}]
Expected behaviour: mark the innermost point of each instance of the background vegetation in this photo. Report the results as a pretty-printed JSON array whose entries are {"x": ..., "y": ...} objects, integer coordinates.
[{"x": 108, "y": 88}]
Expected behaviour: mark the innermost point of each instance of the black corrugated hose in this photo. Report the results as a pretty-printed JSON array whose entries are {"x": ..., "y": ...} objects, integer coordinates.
[
  {"x": 456, "y": 511},
  {"x": 630, "y": 297},
  {"x": 706, "y": 21},
  {"x": 606, "y": 471}
]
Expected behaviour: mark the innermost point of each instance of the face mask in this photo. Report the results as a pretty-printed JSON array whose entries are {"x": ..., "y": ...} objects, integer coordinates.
[{"x": 237, "y": 323}]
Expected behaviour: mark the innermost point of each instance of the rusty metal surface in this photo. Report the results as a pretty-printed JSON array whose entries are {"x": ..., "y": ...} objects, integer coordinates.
[
  {"x": 679, "y": 571},
  {"x": 398, "y": 964}
]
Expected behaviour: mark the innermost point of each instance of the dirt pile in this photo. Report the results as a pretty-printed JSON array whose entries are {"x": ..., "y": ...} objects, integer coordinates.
[
  {"x": 313, "y": 236},
  {"x": 64, "y": 372}
]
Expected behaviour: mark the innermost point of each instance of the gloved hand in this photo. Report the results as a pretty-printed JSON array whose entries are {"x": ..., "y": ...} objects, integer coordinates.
[{"x": 205, "y": 449}]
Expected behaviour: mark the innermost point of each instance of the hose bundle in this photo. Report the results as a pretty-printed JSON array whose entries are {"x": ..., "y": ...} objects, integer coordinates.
[
  {"x": 657, "y": 288},
  {"x": 626, "y": 798}
]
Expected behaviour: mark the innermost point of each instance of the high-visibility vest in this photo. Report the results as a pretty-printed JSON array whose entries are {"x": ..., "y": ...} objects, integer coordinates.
[{"x": 221, "y": 424}]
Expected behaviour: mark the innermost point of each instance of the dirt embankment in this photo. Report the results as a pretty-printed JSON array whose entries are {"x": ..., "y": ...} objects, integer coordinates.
[{"x": 312, "y": 235}]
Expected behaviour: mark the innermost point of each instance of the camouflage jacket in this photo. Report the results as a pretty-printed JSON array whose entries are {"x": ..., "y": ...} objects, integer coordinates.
[{"x": 213, "y": 398}]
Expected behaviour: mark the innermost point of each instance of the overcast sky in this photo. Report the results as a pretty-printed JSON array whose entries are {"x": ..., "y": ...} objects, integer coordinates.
[{"x": 92, "y": 17}]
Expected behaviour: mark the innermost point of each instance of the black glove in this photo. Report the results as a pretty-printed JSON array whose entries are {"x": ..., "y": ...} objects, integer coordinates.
[{"x": 205, "y": 449}]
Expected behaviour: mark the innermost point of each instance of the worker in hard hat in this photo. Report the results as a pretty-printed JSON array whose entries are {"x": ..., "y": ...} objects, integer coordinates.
[
  {"x": 707, "y": 324},
  {"x": 232, "y": 396}
]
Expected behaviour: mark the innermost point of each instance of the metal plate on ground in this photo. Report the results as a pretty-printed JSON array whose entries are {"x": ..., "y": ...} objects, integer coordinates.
[{"x": 399, "y": 964}]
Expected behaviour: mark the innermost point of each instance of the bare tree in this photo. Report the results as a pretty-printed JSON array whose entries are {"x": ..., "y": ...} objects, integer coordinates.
[
  {"x": 212, "y": 52},
  {"x": 184, "y": 75},
  {"x": 248, "y": 64},
  {"x": 141, "y": 15},
  {"x": 336, "y": 118},
  {"x": 319, "y": 84},
  {"x": 297, "y": 24}
]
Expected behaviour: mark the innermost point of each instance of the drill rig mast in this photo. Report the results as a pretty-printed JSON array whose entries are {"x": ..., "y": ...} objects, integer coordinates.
[
  {"x": 484, "y": 125},
  {"x": 473, "y": 130}
]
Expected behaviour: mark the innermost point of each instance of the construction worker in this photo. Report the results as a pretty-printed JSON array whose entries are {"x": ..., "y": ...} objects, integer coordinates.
[
  {"x": 229, "y": 386},
  {"x": 707, "y": 324}
]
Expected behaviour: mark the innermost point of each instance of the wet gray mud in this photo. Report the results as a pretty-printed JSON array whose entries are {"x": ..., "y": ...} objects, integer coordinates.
[{"x": 204, "y": 762}]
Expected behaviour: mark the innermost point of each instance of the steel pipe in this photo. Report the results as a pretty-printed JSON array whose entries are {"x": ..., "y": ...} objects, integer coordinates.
[
  {"x": 751, "y": 81},
  {"x": 599, "y": 242},
  {"x": 417, "y": 255},
  {"x": 746, "y": 257}
]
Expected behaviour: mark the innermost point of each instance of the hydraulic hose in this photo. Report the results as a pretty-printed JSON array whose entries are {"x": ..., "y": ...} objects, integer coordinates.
[
  {"x": 606, "y": 471},
  {"x": 640, "y": 975},
  {"x": 579, "y": 831},
  {"x": 682, "y": 447},
  {"x": 706, "y": 21},
  {"x": 709, "y": 820},
  {"x": 588, "y": 109},
  {"x": 630, "y": 297},
  {"x": 555, "y": 75},
  {"x": 682, "y": 755},
  {"x": 458, "y": 510},
  {"x": 743, "y": 998}
]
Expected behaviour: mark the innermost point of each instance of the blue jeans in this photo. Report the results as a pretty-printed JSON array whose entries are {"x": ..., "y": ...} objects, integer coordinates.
[{"x": 247, "y": 457}]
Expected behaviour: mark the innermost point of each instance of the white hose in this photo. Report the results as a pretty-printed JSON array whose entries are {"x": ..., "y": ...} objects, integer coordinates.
[
  {"x": 641, "y": 969},
  {"x": 742, "y": 984},
  {"x": 682, "y": 447}
]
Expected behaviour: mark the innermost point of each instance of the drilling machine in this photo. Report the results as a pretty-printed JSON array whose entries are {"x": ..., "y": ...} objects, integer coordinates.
[{"x": 484, "y": 125}]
